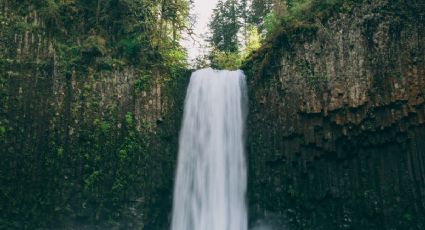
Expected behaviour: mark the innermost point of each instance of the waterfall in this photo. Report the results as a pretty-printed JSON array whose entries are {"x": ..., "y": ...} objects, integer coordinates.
[{"x": 210, "y": 187}]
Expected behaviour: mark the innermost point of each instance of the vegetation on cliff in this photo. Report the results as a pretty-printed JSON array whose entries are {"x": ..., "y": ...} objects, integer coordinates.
[
  {"x": 81, "y": 121},
  {"x": 237, "y": 23},
  {"x": 91, "y": 97},
  {"x": 336, "y": 128}
]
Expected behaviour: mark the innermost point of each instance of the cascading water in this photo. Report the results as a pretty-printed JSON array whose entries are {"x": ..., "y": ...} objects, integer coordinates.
[{"x": 210, "y": 186}]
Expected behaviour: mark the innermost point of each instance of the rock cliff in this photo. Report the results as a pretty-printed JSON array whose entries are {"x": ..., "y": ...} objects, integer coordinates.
[
  {"x": 336, "y": 135},
  {"x": 86, "y": 139}
]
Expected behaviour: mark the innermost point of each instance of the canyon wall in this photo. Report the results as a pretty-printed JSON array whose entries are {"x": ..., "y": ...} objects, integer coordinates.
[
  {"x": 336, "y": 134},
  {"x": 90, "y": 142}
]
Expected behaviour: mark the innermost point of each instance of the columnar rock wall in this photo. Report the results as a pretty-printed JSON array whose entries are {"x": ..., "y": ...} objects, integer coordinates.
[
  {"x": 336, "y": 135},
  {"x": 81, "y": 145}
]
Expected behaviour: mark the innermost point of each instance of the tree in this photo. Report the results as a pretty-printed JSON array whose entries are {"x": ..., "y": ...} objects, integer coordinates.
[
  {"x": 259, "y": 9},
  {"x": 225, "y": 26},
  {"x": 93, "y": 168}
]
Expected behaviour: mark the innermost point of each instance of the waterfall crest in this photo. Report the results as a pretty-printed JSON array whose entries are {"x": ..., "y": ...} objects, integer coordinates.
[{"x": 210, "y": 187}]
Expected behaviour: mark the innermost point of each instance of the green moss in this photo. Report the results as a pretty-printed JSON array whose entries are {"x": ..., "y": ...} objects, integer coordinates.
[
  {"x": 144, "y": 81},
  {"x": 301, "y": 22},
  {"x": 94, "y": 46},
  {"x": 130, "y": 47}
]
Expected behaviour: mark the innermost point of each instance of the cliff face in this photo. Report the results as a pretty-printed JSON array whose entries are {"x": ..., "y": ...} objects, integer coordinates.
[
  {"x": 336, "y": 135},
  {"x": 84, "y": 144}
]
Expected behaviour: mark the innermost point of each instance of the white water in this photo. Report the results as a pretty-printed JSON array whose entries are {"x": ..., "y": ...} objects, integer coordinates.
[{"x": 210, "y": 186}]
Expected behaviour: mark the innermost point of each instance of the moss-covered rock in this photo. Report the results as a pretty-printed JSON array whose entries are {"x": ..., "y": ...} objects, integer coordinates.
[
  {"x": 88, "y": 135},
  {"x": 336, "y": 124}
]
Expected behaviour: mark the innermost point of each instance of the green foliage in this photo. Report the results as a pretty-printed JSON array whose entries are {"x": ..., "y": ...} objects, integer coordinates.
[
  {"x": 135, "y": 32},
  {"x": 232, "y": 37},
  {"x": 69, "y": 156},
  {"x": 270, "y": 18},
  {"x": 252, "y": 41},
  {"x": 2, "y": 131},
  {"x": 225, "y": 26},
  {"x": 302, "y": 13},
  {"x": 129, "y": 47},
  {"x": 259, "y": 9},
  {"x": 294, "y": 20},
  {"x": 174, "y": 59},
  {"x": 225, "y": 60},
  {"x": 201, "y": 62},
  {"x": 50, "y": 9},
  {"x": 270, "y": 22},
  {"x": 233, "y": 60},
  {"x": 109, "y": 64},
  {"x": 144, "y": 82},
  {"x": 94, "y": 46},
  {"x": 69, "y": 57}
]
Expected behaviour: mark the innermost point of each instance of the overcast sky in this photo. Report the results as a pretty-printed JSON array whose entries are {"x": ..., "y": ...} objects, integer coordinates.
[{"x": 202, "y": 10}]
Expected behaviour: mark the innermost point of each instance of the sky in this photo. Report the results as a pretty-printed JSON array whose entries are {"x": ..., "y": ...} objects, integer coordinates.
[{"x": 202, "y": 10}]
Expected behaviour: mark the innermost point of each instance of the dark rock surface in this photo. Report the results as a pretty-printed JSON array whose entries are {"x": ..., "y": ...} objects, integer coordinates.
[
  {"x": 336, "y": 135},
  {"x": 81, "y": 145}
]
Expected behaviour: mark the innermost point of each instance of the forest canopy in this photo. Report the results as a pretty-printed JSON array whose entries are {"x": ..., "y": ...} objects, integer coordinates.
[
  {"x": 239, "y": 27},
  {"x": 145, "y": 33}
]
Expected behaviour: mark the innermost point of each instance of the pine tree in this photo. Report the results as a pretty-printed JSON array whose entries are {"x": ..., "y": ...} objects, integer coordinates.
[
  {"x": 225, "y": 26},
  {"x": 259, "y": 9}
]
